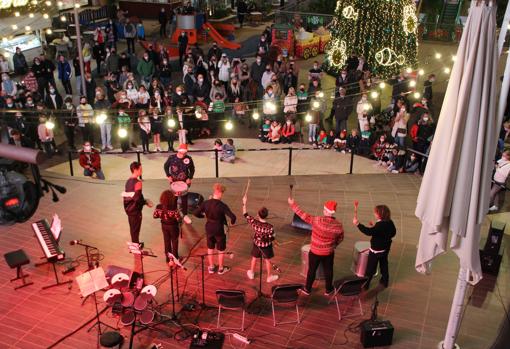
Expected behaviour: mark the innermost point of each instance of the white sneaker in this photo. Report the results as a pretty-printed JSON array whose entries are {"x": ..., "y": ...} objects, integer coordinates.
[
  {"x": 187, "y": 220},
  {"x": 251, "y": 274},
  {"x": 493, "y": 208},
  {"x": 272, "y": 278}
]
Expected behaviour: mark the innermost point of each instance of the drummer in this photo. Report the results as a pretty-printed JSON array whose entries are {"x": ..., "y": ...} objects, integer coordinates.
[
  {"x": 380, "y": 242},
  {"x": 327, "y": 233},
  {"x": 179, "y": 167},
  {"x": 216, "y": 211}
]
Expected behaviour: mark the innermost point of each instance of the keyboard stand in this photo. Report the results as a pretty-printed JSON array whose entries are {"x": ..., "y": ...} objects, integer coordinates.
[{"x": 57, "y": 281}]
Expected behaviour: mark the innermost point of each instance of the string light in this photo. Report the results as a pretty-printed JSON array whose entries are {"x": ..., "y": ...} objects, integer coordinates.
[
  {"x": 16, "y": 14},
  {"x": 382, "y": 85},
  {"x": 255, "y": 115},
  {"x": 388, "y": 57},
  {"x": 454, "y": 58},
  {"x": 60, "y": 4},
  {"x": 14, "y": 27},
  {"x": 409, "y": 70},
  {"x": 101, "y": 118},
  {"x": 122, "y": 132},
  {"x": 31, "y": 15},
  {"x": 417, "y": 95},
  {"x": 374, "y": 94},
  {"x": 50, "y": 125},
  {"x": 316, "y": 105},
  {"x": 77, "y": 5},
  {"x": 412, "y": 83},
  {"x": 27, "y": 28},
  {"x": 46, "y": 16},
  {"x": 48, "y": 3},
  {"x": 366, "y": 107},
  {"x": 321, "y": 94},
  {"x": 308, "y": 117},
  {"x": 438, "y": 55},
  {"x": 421, "y": 72},
  {"x": 33, "y": 2},
  {"x": 447, "y": 70},
  {"x": 229, "y": 125},
  {"x": 270, "y": 106},
  {"x": 49, "y": 31},
  {"x": 63, "y": 18},
  {"x": 171, "y": 123}
]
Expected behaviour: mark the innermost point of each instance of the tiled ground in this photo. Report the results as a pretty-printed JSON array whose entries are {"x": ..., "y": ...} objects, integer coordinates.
[{"x": 418, "y": 306}]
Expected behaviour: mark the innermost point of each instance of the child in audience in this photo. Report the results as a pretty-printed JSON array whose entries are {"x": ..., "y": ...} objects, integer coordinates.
[
  {"x": 397, "y": 161},
  {"x": 378, "y": 149},
  {"x": 218, "y": 146},
  {"x": 365, "y": 141},
  {"x": 331, "y": 139},
  {"x": 288, "y": 132},
  {"x": 239, "y": 111},
  {"x": 412, "y": 164},
  {"x": 228, "y": 153},
  {"x": 353, "y": 141},
  {"x": 322, "y": 140},
  {"x": 46, "y": 137},
  {"x": 340, "y": 142},
  {"x": 274, "y": 133},
  {"x": 265, "y": 128}
]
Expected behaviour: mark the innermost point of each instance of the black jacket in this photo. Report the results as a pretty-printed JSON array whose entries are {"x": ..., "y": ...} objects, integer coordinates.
[
  {"x": 216, "y": 212},
  {"x": 381, "y": 234},
  {"x": 343, "y": 107}
]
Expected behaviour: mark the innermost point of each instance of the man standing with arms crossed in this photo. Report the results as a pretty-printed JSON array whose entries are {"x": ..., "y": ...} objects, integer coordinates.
[
  {"x": 216, "y": 211},
  {"x": 327, "y": 233}
]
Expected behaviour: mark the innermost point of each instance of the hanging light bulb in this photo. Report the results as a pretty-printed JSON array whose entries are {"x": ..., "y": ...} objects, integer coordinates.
[
  {"x": 14, "y": 27},
  {"x": 33, "y": 2},
  {"x": 46, "y": 16},
  {"x": 447, "y": 70},
  {"x": 49, "y": 31},
  {"x": 421, "y": 72},
  {"x": 60, "y": 4},
  {"x": 321, "y": 94},
  {"x": 63, "y": 18},
  {"x": 122, "y": 132},
  {"x": 316, "y": 105},
  {"x": 255, "y": 115},
  {"x": 101, "y": 118},
  {"x": 374, "y": 94},
  {"x": 198, "y": 114},
  {"x": 438, "y": 55},
  {"x": 417, "y": 95},
  {"x": 412, "y": 83},
  {"x": 454, "y": 58},
  {"x": 308, "y": 117},
  {"x": 270, "y": 105},
  {"x": 49, "y": 125},
  {"x": 409, "y": 70},
  {"x": 171, "y": 123},
  {"x": 366, "y": 107},
  {"x": 31, "y": 15},
  {"x": 27, "y": 28},
  {"x": 77, "y": 5},
  {"x": 229, "y": 125},
  {"x": 48, "y": 3},
  {"x": 382, "y": 85},
  {"x": 16, "y": 14}
]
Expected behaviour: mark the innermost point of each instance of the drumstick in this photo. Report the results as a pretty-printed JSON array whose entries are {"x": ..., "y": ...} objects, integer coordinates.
[
  {"x": 291, "y": 187},
  {"x": 356, "y": 204},
  {"x": 247, "y": 188}
]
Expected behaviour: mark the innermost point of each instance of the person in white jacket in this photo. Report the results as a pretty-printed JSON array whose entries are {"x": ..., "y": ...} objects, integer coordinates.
[
  {"x": 267, "y": 77},
  {"x": 290, "y": 102},
  {"x": 399, "y": 131},
  {"x": 224, "y": 69},
  {"x": 362, "y": 109}
]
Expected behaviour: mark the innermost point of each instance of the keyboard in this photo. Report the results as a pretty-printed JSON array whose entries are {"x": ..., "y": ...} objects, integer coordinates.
[{"x": 49, "y": 245}]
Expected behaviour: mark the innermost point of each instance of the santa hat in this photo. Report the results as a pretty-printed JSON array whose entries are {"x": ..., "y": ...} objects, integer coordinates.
[
  {"x": 330, "y": 206},
  {"x": 183, "y": 148}
]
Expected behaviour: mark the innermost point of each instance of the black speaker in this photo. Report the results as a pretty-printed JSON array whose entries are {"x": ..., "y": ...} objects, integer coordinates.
[
  {"x": 494, "y": 238},
  {"x": 490, "y": 262},
  {"x": 297, "y": 222},
  {"x": 376, "y": 333}
]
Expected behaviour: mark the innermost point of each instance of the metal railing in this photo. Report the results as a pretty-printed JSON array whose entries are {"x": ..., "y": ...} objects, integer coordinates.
[
  {"x": 435, "y": 32},
  {"x": 310, "y": 21}
]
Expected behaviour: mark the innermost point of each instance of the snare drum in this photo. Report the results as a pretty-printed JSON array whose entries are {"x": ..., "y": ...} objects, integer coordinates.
[{"x": 179, "y": 188}]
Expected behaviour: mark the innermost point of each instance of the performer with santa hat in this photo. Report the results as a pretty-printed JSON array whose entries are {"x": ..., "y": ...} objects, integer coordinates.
[
  {"x": 327, "y": 233},
  {"x": 180, "y": 167}
]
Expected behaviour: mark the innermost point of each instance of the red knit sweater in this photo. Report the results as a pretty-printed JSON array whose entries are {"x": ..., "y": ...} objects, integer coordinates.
[{"x": 327, "y": 232}]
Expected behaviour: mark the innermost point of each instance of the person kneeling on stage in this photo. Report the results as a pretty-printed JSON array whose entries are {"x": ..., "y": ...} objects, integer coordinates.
[
  {"x": 262, "y": 241},
  {"x": 170, "y": 217},
  {"x": 180, "y": 167},
  {"x": 216, "y": 211},
  {"x": 327, "y": 233},
  {"x": 381, "y": 234},
  {"x": 90, "y": 160}
]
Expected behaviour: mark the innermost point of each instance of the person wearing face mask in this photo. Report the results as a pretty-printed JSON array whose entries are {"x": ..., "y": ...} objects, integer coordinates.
[
  {"x": 263, "y": 46},
  {"x": 30, "y": 81},
  {"x": 399, "y": 131},
  {"x": 90, "y": 88},
  {"x": 201, "y": 89},
  {"x": 77, "y": 74},
  {"x": 427, "y": 87},
  {"x": 217, "y": 88},
  {"x": 112, "y": 62},
  {"x": 288, "y": 132},
  {"x": 8, "y": 86},
  {"x": 422, "y": 133},
  {"x": 165, "y": 72},
  {"x": 315, "y": 72},
  {"x": 289, "y": 80},
  {"x": 362, "y": 109},
  {"x": 183, "y": 45},
  {"x": 189, "y": 82},
  {"x": 46, "y": 137},
  {"x": 90, "y": 160},
  {"x": 501, "y": 172},
  {"x": 214, "y": 51},
  {"x": 40, "y": 75},
  {"x": 224, "y": 68},
  {"x": 342, "y": 108},
  {"x": 53, "y": 100},
  {"x": 267, "y": 77},
  {"x": 290, "y": 103},
  {"x": 85, "y": 114},
  {"x": 146, "y": 69},
  {"x": 64, "y": 74},
  {"x": 234, "y": 90},
  {"x": 343, "y": 79},
  {"x": 101, "y": 107},
  {"x": 257, "y": 70},
  {"x": 70, "y": 122}
]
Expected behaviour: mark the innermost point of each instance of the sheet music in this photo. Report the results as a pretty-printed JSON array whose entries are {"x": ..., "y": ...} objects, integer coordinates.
[
  {"x": 91, "y": 281},
  {"x": 56, "y": 226}
]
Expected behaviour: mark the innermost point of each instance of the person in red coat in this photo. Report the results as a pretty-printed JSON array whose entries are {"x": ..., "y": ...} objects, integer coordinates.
[
  {"x": 90, "y": 160},
  {"x": 288, "y": 131}
]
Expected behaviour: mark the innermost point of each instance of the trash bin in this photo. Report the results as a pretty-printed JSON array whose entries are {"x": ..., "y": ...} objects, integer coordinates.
[
  {"x": 319, "y": 275},
  {"x": 360, "y": 258}
]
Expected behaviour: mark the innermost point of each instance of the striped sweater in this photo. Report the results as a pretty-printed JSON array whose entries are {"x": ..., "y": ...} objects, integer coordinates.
[{"x": 327, "y": 232}]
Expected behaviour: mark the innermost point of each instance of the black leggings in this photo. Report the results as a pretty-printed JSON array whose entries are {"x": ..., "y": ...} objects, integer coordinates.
[
  {"x": 135, "y": 224},
  {"x": 171, "y": 239},
  {"x": 144, "y": 136},
  {"x": 373, "y": 260}
]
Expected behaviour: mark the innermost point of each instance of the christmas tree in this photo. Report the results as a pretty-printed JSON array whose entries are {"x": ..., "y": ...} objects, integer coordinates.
[{"x": 382, "y": 31}]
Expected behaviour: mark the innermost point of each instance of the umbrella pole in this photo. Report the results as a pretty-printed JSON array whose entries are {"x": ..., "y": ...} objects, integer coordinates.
[{"x": 452, "y": 330}]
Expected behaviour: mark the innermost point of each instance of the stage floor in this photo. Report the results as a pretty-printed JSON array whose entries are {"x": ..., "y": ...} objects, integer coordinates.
[{"x": 418, "y": 306}]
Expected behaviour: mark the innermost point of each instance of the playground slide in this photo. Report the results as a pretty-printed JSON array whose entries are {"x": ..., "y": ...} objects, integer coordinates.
[{"x": 222, "y": 42}]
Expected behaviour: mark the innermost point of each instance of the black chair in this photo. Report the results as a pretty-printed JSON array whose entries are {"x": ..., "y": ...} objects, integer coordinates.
[
  {"x": 17, "y": 259},
  {"x": 111, "y": 339},
  {"x": 348, "y": 287},
  {"x": 231, "y": 300},
  {"x": 286, "y": 294}
]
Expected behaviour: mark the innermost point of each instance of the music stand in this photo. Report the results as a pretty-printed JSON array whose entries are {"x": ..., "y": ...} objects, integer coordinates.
[
  {"x": 137, "y": 249},
  {"x": 89, "y": 283},
  {"x": 176, "y": 265}
]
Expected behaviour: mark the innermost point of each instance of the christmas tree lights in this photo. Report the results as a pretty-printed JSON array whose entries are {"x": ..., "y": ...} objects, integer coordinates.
[{"x": 382, "y": 31}]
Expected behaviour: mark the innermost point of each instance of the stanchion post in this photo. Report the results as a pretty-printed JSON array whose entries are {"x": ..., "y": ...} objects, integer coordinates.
[
  {"x": 216, "y": 163},
  {"x": 70, "y": 157},
  {"x": 290, "y": 161},
  {"x": 138, "y": 158},
  {"x": 352, "y": 160}
]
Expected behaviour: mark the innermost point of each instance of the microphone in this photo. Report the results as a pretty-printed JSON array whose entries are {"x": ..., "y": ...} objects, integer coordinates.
[
  {"x": 275, "y": 268},
  {"x": 74, "y": 242}
]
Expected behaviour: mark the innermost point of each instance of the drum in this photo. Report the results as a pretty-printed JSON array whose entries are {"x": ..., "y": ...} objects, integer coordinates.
[
  {"x": 112, "y": 296},
  {"x": 146, "y": 317},
  {"x": 120, "y": 281},
  {"x": 305, "y": 250},
  {"x": 360, "y": 258},
  {"x": 128, "y": 299},
  {"x": 140, "y": 303},
  {"x": 149, "y": 292},
  {"x": 179, "y": 188},
  {"x": 127, "y": 317}
]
